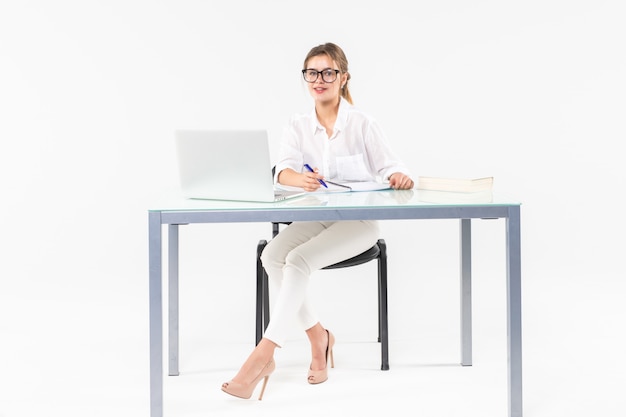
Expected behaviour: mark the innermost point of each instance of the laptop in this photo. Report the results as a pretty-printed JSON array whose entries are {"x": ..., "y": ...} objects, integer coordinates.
[{"x": 227, "y": 165}]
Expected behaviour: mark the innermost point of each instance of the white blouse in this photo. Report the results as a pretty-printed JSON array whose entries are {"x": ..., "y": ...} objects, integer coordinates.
[{"x": 356, "y": 151}]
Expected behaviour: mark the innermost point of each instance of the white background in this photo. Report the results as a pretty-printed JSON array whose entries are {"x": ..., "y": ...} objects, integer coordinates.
[{"x": 532, "y": 93}]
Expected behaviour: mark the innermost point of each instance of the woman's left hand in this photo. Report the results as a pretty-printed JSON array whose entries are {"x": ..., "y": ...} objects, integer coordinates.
[{"x": 400, "y": 181}]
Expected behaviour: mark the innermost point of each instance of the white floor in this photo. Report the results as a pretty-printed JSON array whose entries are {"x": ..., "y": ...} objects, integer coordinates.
[{"x": 77, "y": 347}]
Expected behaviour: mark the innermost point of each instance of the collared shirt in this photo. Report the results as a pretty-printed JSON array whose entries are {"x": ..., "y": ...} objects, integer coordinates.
[{"x": 357, "y": 150}]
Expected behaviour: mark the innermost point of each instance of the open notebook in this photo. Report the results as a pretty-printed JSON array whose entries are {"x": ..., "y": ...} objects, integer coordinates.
[
  {"x": 227, "y": 165},
  {"x": 343, "y": 186}
]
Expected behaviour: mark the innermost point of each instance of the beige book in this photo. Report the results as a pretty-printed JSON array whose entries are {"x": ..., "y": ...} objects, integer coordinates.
[{"x": 459, "y": 185}]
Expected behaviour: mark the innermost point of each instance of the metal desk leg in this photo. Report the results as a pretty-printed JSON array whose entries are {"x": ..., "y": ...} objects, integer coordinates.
[
  {"x": 173, "y": 299},
  {"x": 514, "y": 311},
  {"x": 156, "y": 311},
  {"x": 466, "y": 291}
]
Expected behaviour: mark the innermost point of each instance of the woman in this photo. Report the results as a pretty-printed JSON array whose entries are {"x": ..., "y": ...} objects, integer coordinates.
[{"x": 338, "y": 142}]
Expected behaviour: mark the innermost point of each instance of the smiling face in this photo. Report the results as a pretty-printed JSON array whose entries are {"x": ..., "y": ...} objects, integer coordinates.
[{"x": 325, "y": 92}]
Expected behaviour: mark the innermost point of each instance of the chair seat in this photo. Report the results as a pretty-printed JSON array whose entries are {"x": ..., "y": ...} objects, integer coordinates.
[
  {"x": 369, "y": 255},
  {"x": 364, "y": 257}
]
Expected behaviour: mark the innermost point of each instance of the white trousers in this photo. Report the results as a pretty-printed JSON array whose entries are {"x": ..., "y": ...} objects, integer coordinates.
[{"x": 297, "y": 251}]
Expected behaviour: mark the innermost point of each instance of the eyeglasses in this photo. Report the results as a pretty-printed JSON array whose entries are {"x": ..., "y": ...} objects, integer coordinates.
[{"x": 328, "y": 75}]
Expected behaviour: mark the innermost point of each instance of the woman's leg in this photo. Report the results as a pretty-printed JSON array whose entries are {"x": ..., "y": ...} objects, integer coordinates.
[
  {"x": 328, "y": 243},
  {"x": 289, "y": 259},
  {"x": 273, "y": 258}
]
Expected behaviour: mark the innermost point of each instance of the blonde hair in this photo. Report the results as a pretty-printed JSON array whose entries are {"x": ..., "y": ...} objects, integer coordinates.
[{"x": 335, "y": 53}]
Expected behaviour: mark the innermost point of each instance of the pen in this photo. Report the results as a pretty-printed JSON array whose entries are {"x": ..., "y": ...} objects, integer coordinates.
[
  {"x": 339, "y": 185},
  {"x": 307, "y": 166}
]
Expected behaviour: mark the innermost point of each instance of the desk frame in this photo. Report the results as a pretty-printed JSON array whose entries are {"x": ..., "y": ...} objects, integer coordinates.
[{"x": 174, "y": 218}]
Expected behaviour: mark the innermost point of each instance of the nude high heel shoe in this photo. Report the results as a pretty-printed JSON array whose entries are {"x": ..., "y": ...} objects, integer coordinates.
[
  {"x": 241, "y": 390},
  {"x": 317, "y": 377}
]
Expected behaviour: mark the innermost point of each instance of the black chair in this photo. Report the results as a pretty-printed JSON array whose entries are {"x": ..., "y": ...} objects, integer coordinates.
[{"x": 378, "y": 251}]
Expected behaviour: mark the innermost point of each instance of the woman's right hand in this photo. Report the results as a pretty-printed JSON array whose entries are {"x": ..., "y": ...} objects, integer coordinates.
[{"x": 309, "y": 181}]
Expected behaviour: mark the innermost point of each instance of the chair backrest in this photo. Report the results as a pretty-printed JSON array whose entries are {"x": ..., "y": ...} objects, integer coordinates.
[{"x": 276, "y": 226}]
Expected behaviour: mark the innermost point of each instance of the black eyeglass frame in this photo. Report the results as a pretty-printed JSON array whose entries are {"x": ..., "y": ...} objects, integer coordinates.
[{"x": 304, "y": 72}]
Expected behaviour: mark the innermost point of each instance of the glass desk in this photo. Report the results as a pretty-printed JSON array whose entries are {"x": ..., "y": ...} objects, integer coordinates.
[{"x": 376, "y": 205}]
